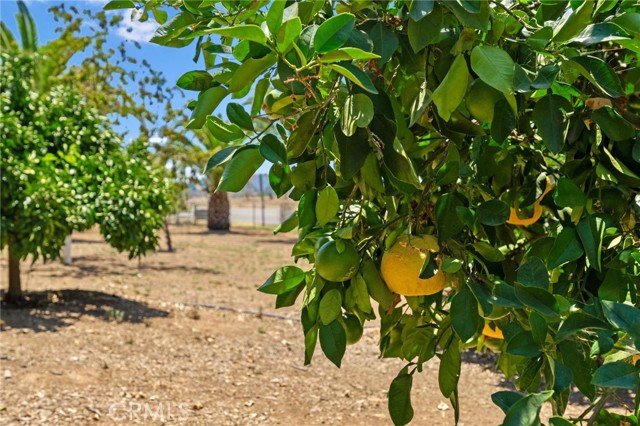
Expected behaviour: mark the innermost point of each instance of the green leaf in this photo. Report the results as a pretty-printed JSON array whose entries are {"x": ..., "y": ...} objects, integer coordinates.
[
  {"x": 237, "y": 115},
  {"x": 599, "y": 73},
  {"x": 258, "y": 97},
  {"x": 220, "y": 157},
  {"x": 494, "y": 66},
  {"x": 289, "y": 224},
  {"x": 275, "y": 15},
  {"x": 537, "y": 298},
  {"x": 327, "y": 205},
  {"x": 303, "y": 177},
  {"x": 330, "y": 306},
  {"x": 385, "y": 42},
  {"x": 568, "y": 194},
  {"x": 358, "y": 296},
  {"x": 355, "y": 75},
  {"x": 599, "y": 33},
  {"x": 614, "y": 126},
  {"x": 347, "y": 54},
  {"x": 119, "y": 4},
  {"x": 618, "y": 374},
  {"x": 615, "y": 285},
  {"x": 289, "y": 298},
  {"x": 427, "y": 31},
  {"x": 623, "y": 316},
  {"x": 574, "y": 358},
  {"x": 449, "y": 370},
  {"x": 356, "y": 112},
  {"x": 539, "y": 39},
  {"x": 591, "y": 232},
  {"x": 464, "y": 315},
  {"x": 570, "y": 25},
  {"x": 565, "y": 249},
  {"x": 526, "y": 412},
  {"x": 239, "y": 170},
  {"x": 333, "y": 341},
  {"x": 249, "y": 70},
  {"x": 488, "y": 251},
  {"x": 353, "y": 151},
  {"x": 538, "y": 327},
  {"x": 166, "y": 33},
  {"x": 533, "y": 273},
  {"x": 447, "y": 219},
  {"x": 559, "y": 421},
  {"x": 289, "y": 32},
  {"x": 399, "y": 399},
  {"x": 273, "y": 150},
  {"x": 195, "y": 80},
  {"x": 375, "y": 286},
  {"x": 523, "y": 344},
  {"x": 310, "y": 338},
  {"x": 493, "y": 212},
  {"x": 549, "y": 116},
  {"x": 207, "y": 102},
  {"x": 506, "y": 399},
  {"x": 419, "y": 9},
  {"x": 222, "y": 131},
  {"x": 302, "y": 136},
  {"x": 334, "y": 32},
  {"x": 450, "y": 93},
  {"x": 577, "y": 322},
  {"x": 160, "y": 16},
  {"x": 241, "y": 32},
  {"x": 504, "y": 121},
  {"x": 283, "y": 280}
]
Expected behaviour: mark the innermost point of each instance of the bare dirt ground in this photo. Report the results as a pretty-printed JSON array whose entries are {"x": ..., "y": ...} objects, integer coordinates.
[{"x": 115, "y": 341}]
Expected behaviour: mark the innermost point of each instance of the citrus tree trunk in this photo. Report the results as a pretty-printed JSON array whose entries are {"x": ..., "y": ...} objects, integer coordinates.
[
  {"x": 218, "y": 214},
  {"x": 14, "y": 293},
  {"x": 167, "y": 234}
]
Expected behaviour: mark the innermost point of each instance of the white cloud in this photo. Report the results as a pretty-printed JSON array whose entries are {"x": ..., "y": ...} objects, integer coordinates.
[
  {"x": 158, "y": 139},
  {"x": 134, "y": 30}
]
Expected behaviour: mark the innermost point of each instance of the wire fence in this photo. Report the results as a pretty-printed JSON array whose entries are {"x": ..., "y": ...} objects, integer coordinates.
[{"x": 256, "y": 205}]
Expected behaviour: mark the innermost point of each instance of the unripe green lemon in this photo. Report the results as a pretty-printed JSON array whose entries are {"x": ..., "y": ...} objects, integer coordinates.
[{"x": 337, "y": 266}]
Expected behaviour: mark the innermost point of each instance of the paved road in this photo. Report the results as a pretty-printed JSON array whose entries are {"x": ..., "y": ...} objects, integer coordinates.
[{"x": 249, "y": 215}]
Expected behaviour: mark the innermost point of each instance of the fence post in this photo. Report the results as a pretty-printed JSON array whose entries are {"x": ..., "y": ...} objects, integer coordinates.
[
  {"x": 261, "y": 198},
  {"x": 66, "y": 252}
]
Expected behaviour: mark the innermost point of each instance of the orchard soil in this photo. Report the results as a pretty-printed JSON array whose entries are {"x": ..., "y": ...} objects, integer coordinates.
[{"x": 185, "y": 338}]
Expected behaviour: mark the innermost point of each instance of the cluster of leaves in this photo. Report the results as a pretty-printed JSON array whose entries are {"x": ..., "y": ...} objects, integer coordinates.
[
  {"x": 64, "y": 169},
  {"x": 450, "y": 118}
]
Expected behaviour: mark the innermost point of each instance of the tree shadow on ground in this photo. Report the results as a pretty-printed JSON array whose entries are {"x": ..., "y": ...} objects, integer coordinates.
[
  {"x": 55, "y": 309},
  {"x": 91, "y": 265}
]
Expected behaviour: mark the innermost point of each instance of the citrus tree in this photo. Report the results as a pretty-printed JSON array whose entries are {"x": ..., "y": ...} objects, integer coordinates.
[
  {"x": 470, "y": 166},
  {"x": 64, "y": 169}
]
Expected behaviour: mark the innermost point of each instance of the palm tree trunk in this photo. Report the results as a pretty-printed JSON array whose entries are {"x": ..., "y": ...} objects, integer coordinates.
[
  {"x": 218, "y": 214},
  {"x": 14, "y": 293}
]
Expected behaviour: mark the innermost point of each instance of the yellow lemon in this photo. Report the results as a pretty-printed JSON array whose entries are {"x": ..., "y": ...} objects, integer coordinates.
[
  {"x": 492, "y": 333},
  {"x": 402, "y": 264},
  {"x": 514, "y": 219}
]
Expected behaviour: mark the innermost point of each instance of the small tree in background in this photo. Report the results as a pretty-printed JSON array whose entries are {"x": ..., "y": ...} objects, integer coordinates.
[{"x": 64, "y": 169}]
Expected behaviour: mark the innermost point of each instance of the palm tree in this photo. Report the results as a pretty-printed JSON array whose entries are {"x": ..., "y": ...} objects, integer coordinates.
[{"x": 186, "y": 156}]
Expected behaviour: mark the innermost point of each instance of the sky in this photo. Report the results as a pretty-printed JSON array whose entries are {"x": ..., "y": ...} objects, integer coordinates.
[{"x": 172, "y": 62}]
